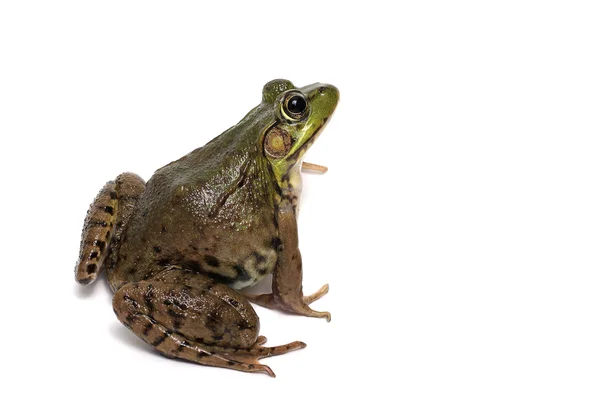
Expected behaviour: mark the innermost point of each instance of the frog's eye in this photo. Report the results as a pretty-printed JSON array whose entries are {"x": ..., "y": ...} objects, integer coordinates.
[
  {"x": 295, "y": 106},
  {"x": 278, "y": 142}
]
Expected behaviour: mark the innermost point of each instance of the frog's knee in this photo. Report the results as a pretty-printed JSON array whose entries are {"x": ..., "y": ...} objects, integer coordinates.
[{"x": 129, "y": 186}]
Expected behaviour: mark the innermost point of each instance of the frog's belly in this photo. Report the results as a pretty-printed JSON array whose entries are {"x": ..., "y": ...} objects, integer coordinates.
[{"x": 244, "y": 273}]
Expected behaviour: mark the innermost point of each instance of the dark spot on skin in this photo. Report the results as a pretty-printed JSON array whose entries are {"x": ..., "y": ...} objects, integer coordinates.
[
  {"x": 98, "y": 223},
  {"x": 100, "y": 244},
  {"x": 109, "y": 210},
  {"x": 163, "y": 229},
  {"x": 212, "y": 261},
  {"x": 242, "y": 274},
  {"x": 262, "y": 271},
  {"x": 158, "y": 341},
  {"x": 230, "y": 362},
  {"x": 131, "y": 271},
  {"x": 119, "y": 224},
  {"x": 91, "y": 268},
  {"x": 145, "y": 214},
  {"x": 177, "y": 324},
  {"x": 233, "y": 302},
  {"x": 157, "y": 249},
  {"x": 180, "y": 348},
  {"x": 275, "y": 243},
  {"x": 243, "y": 325},
  {"x": 259, "y": 257},
  {"x": 93, "y": 254},
  {"x": 202, "y": 354},
  {"x": 216, "y": 338},
  {"x": 250, "y": 366},
  {"x": 180, "y": 304},
  {"x": 163, "y": 262},
  {"x": 113, "y": 195},
  {"x": 147, "y": 329},
  {"x": 131, "y": 301},
  {"x": 167, "y": 303},
  {"x": 130, "y": 318},
  {"x": 148, "y": 299}
]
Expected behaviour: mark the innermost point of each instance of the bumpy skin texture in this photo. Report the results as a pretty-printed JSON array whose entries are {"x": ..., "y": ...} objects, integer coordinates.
[
  {"x": 218, "y": 219},
  {"x": 223, "y": 223}
]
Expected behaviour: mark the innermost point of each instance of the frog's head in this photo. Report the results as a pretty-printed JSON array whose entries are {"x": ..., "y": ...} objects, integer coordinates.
[{"x": 300, "y": 116}]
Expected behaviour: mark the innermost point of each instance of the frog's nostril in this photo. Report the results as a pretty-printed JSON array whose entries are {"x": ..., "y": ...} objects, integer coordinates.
[{"x": 328, "y": 90}]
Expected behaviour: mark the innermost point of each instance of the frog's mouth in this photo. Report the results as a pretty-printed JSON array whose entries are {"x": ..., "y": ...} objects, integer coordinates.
[{"x": 297, "y": 155}]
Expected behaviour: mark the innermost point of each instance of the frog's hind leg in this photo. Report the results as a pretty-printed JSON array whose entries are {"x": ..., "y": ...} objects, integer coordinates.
[
  {"x": 186, "y": 315},
  {"x": 104, "y": 222}
]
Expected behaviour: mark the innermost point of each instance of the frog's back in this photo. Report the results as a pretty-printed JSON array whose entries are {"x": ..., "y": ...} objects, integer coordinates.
[{"x": 211, "y": 211}]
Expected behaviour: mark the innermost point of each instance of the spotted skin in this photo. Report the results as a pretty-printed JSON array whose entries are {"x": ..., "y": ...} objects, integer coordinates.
[
  {"x": 186, "y": 315},
  {"x": 97, "y": 233},
  {"x": 108, "y": 214}
]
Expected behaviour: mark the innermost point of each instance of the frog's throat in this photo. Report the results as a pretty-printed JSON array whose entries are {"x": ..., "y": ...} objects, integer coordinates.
[{"x": 285, "y": 168}]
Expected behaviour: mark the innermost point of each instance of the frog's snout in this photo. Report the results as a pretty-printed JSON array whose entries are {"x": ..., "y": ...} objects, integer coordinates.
[
  {"x": 328, "y": 90},
  {"x": 326, "y": 98}
]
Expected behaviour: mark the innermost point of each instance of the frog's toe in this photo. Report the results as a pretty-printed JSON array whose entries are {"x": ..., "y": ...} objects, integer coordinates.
[
  {"x": 317, "y": 295},
  {"x": 304, "y": 309},
  {"x": 248, "y": 359}
]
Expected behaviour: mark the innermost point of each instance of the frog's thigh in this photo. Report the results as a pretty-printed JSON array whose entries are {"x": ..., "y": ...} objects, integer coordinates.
[
  {"x": 105, "y": 219},
  {"x": 186, "y": 315}
]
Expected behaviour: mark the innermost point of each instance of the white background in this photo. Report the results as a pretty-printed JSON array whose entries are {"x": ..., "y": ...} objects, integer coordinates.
[{"x": 458, "y": 226}]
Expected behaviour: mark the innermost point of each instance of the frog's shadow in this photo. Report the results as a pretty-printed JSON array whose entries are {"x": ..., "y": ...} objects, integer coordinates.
[
  {"x": 116, "y": 330},
  {"x": 124, "y": 335}
]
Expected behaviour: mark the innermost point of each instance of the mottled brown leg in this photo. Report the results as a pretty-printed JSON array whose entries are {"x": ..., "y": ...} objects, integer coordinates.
[
  {"x": 189, "y": 316},
  {"x": 103, "y": 224},
  {"x": 97, "y": 233},
  {"x": 287, "y": 278}
]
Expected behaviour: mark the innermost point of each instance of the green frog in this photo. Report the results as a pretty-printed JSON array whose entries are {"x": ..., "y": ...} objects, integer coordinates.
[{"x": 178, "y": 248}]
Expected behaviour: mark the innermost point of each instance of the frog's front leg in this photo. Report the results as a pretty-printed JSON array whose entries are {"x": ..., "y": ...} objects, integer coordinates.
[
  {"x": 187, "y": 315},
  {"x": 287, "y": 276}
]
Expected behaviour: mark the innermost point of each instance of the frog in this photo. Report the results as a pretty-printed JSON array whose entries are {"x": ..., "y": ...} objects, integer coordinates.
[{"x": 179, "y": 249}]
